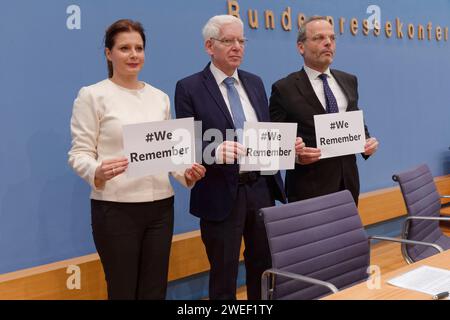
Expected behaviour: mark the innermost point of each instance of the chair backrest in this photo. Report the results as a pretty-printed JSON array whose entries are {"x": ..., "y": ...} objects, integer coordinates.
[
  {"x": 322, "y": 238},
  {"x": 422, "y": 200}
]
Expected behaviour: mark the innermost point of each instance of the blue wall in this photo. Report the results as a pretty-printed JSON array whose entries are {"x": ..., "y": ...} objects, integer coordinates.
[{"x": 44, "y": 207}]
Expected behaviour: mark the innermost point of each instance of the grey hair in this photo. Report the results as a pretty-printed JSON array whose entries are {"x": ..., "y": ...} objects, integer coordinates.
[
  {"x": 301, "y": 37},
  {"x": 212, "y": 27}
]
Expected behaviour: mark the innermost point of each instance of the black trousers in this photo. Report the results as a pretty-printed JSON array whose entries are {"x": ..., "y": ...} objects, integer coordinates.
[
  {"x": 133, "y": 241},
  {"x": 222, "y": 241}
]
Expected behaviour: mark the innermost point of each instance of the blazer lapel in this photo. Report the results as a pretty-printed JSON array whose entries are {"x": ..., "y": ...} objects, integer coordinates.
[
  {"x": 304, "y": 86},
  {"x": 252, "y": 95},
  {"x": 343, "y": 87},
  {"x": 214, "y": 91}
]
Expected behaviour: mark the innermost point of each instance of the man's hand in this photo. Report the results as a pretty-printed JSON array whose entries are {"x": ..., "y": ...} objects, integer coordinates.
[
  {"x": 371, "y": 146},
  {"x": 229, "y": 151},
  {"x": 308, "y": 155},
  {"x": 194, "y": 173},
  {"x": 299, "y": 145}
]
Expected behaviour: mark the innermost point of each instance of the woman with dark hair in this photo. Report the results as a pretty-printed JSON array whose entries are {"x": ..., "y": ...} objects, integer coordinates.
[{"x": 132, "y": 218}]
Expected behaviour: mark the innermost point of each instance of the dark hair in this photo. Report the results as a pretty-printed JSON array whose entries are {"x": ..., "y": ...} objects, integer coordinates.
[{"x": 123, "y": 25}]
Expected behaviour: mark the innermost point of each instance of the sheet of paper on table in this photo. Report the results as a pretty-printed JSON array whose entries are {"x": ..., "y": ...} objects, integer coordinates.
[{"x": 426, "y": 279}]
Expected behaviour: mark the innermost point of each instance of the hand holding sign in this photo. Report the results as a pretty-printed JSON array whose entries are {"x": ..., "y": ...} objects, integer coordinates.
[
  {"x": 229, "y": 151},
  {"x": 299, "y": 145},
  {"x": 108, "y": 169},
  {"x": 309, "y": 155},
  {"x": 306, "y": 155},
  {"x": 371, "y": 146},
  {"x": 195, "y": 173}
]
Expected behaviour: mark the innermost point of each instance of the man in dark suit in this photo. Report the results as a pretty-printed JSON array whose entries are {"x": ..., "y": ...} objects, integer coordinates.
[
  {"x": 227, "y": 200},
  {"x": 317, "y": 90}
]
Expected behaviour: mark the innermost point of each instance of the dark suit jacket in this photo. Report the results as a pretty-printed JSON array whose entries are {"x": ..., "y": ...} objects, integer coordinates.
[
  {"x": 199, "y": 96},
  {"x": 293, "y": 100}
]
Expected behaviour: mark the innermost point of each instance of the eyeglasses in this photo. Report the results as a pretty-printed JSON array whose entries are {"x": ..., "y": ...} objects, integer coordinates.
[
  {"x": 230, "y": 42},
  {"x": 320, "y": 38}
]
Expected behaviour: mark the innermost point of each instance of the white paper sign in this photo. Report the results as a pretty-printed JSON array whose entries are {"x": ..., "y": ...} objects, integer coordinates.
[
  {"x": 269, "y": 146},
  {"x": 159, "y": 147},
  {"x": 339, "y": 134}
]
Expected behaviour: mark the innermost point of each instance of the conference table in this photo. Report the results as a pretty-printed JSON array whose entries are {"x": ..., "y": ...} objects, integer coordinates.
[{"x": 389, "y": 292}]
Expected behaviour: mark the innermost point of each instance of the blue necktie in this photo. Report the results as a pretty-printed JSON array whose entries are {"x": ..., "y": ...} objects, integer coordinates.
[
  {"x": 332, "y": 106},
  {"x": 235, "y": 104}
]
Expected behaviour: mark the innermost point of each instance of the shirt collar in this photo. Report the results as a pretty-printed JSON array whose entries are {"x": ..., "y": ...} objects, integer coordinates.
[
  {"x": 314, "y": 74},
  {"x": 219, "y": 75}
]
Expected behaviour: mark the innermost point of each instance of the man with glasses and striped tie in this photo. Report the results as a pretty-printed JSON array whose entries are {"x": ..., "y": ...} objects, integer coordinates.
[
  {"x": 317, "y": 89},
  {"x": 227, "y": 201}
]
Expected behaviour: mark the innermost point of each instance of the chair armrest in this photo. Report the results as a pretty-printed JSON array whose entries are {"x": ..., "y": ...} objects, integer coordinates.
[
  {"x": 405, "y": 241},
  {"x": 287, "y": 274},
  {"x": 428, "y": 218}
]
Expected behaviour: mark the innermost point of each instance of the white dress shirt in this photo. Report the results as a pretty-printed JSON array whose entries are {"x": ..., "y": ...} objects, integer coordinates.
[
  {"x": 317, "y": 85},
  {"x": 219, "y": 75}
]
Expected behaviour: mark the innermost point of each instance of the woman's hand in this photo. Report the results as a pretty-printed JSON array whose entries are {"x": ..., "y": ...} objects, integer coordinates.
[
  {"x": 195, "y": 173},
  {"x": 299, "y": 145},
  {"x": 108, "y": 169}
]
